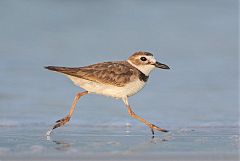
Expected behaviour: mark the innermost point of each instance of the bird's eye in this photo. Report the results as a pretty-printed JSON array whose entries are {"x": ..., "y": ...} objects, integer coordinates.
[{"x": 143, "y": 58}]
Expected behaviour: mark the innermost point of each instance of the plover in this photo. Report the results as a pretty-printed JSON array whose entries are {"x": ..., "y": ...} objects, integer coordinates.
[{"x": 118, "y": 79}]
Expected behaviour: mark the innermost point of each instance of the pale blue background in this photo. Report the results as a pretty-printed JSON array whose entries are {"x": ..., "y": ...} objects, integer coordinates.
[{"x": 197, "y": 39}]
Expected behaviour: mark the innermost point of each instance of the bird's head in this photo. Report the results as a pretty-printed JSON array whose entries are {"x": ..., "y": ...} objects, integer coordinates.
[{"x": 145, "y": 62}]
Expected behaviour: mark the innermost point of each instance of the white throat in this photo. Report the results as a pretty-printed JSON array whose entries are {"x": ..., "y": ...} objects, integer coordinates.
[{"x": 145, "y": 69}]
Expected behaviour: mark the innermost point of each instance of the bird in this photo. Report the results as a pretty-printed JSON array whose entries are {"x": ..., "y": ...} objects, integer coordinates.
[{"x": 117, "y": 79}]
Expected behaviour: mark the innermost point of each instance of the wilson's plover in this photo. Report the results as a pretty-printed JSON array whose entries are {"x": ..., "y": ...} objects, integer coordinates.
[{"x": 118, "y": 79}]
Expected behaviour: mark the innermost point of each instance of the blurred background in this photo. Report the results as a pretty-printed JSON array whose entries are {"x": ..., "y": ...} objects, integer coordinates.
[{"x": 197, "y": 39}]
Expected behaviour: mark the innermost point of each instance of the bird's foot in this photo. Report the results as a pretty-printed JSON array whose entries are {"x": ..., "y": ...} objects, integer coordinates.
[
  {"x": 61, "y": 122},
  {"x": 154, "y": 127}
]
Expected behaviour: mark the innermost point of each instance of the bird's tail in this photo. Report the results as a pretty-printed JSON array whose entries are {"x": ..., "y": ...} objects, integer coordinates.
[
  {"x": 64, "y": 70},
  {"x": 55, "y": 68}
]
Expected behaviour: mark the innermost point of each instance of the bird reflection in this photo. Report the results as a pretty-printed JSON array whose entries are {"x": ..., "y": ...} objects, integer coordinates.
[
  {"x": 62, "y": 145},
  {"x": 127, "y": 142}
]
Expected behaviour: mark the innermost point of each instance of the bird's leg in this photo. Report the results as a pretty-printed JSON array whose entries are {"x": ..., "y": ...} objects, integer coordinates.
[
  {"x": 133, "y": 115},
  {"x": 64, "y": 120},
  {"x": 152, "y": 126}
]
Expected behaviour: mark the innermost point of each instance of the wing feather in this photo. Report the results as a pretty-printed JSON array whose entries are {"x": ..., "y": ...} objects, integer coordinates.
[{"x": 113, "y": 73}]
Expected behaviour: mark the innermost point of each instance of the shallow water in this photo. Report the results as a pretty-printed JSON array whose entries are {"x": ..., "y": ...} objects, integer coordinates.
[
  {"x": 197, "y": 39},
  {"x": 81, "y": 142}
]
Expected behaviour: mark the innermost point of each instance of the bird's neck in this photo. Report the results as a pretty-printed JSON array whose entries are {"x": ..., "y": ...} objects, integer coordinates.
[{"x": 145, "y": 69}]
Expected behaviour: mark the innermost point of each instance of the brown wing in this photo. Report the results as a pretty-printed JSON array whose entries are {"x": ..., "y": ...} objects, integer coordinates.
[{"x": 114, "y": 73}]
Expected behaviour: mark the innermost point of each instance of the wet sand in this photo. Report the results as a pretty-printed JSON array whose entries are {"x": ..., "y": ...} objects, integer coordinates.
[{"x": 76, "y": 142}]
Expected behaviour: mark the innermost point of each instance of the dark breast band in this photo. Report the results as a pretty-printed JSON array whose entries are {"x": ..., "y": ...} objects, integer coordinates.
[{"x": 143, "y": 77}]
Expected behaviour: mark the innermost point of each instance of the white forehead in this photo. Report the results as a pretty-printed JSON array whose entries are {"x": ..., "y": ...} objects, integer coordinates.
[{"x": 151, "y": 59}]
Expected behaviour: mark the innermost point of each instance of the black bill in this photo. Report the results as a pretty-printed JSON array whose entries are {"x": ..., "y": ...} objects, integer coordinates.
[{"x": 160, "y": 65}]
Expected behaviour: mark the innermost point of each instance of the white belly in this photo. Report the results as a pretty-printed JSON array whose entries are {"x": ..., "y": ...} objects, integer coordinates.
[{"x": 109, "y": 90}]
